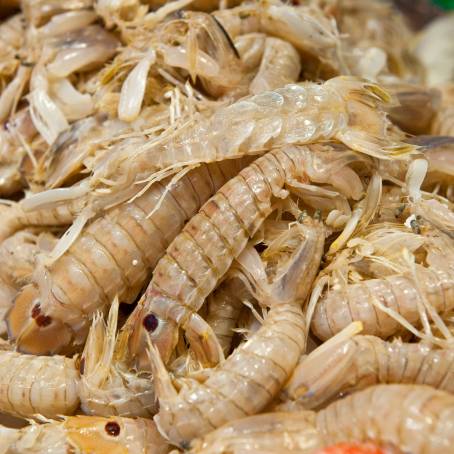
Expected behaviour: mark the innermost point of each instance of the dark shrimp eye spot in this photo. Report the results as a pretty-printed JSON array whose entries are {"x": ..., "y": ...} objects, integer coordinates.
[
  {"x": 43, "y": 320},
  {"x": 36, "y": 310},
  {"x": 150, "y": 322},
  {"x": 112, "y": 428}
]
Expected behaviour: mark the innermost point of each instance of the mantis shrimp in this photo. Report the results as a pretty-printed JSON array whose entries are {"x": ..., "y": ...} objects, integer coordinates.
[
  {"x": 82, "y": 434},
  {"x": 38, "y": 385},
  {"x": 306, "y": 28},
  {"x": 414, "y": 418},
  {"x": 343, "y": 366},
  {"x": 369, "y": 300},
  {"x": 112, "y": 255},
  {"x": 343, "y": 108},
  {"x": 395, "y": 418},
  {"x": 203, "y": 252},
  {"x": 248, "y": 379}
]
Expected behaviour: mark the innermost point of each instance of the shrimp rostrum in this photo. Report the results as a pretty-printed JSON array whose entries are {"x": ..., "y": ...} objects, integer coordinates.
[
  {"x": 200, "y": 256},
  {"x": 252, "y": 375}
]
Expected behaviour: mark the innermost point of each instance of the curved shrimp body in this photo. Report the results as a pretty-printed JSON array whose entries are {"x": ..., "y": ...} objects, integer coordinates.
[
  {"x": 280, "y": 66},
  {"x": 414, "y": 418},
  {"x": 242, "y": 385},
  {"x": 224, "y": 308},
  {"x": 250, "y": 47},
  {"x": 38, "y": 385},
  {"x": 363, "y": 361},
  {"x": 113, "y": 255},
  {"x": 83, "y": 434},
  {"x": 365, "y": 302},
  {"x": 308, "y": 29},
  {"x": 198, "y": 258},
  {"x": 278, "y": 433},
  {"x": 250, "y": 377}
]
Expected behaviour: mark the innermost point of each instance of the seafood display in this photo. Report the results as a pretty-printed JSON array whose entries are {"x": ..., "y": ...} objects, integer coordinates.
[{"x": 226, "y": 227}]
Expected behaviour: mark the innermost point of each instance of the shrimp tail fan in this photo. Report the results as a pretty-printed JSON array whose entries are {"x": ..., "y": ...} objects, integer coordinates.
[{"x": 368, "y": 126}]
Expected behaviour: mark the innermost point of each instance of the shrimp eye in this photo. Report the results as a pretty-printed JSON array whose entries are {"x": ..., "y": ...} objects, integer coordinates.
[
  {"x": 40, "y": 319},
  {"x": 43, "y": 320},
  {"x": 36, "y": 310},
  {"x": 112, "y": 428},
  {"x": 150, "y": 322}
]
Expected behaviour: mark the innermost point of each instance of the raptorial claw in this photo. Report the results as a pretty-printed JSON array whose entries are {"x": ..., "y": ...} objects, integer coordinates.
[{"x": 203, "y": 341}]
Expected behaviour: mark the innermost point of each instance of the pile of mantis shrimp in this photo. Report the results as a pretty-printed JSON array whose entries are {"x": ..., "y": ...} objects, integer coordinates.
[{"x": 225, "y": 227}]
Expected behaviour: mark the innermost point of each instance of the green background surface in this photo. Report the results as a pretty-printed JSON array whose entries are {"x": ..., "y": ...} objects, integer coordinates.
[{"x": 446, "y": 4}]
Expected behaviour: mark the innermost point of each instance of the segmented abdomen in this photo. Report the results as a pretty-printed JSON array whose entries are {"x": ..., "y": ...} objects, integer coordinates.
[
  {"x": 205, "y": 249},
  {"x": 415, "y": 418},
  {"x": 38, "y": 385},
  {"x": 339, "y": 308},
  {"x": 396, "y": 362},
  {"x": 245, "y": 383}
]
